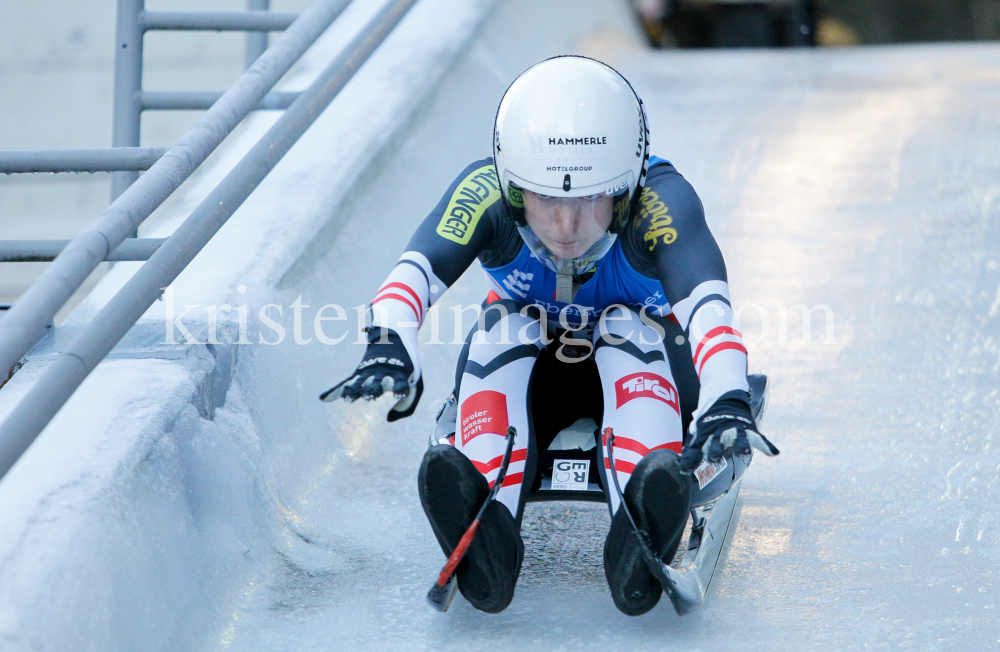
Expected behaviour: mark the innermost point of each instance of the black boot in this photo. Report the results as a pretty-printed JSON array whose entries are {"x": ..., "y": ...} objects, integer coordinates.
[
  {"x": 659, "y": 498},
  {"x": 452, "y": 491}
]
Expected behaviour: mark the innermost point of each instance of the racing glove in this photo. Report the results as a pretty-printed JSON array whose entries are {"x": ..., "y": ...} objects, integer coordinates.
[
  {"x": 386, "y": 367},
  {"x": 727, "y": 424}
]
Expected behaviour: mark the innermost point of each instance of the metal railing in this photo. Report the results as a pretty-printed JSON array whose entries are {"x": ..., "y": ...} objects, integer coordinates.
[
  {"x": 27, "y": 318},
  {"x": 45, "y": 251},
  {"x": 80, "y": 160},
  {"x": 125, "y": 159},
  {"x": 133, "y": 21}
]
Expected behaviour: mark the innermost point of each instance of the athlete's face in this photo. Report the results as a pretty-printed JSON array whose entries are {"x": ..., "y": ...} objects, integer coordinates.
[{"x": 568, "y": 226}]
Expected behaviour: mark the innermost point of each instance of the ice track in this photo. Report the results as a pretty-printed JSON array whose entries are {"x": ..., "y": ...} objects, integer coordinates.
[{"x": 863, "y": 181}]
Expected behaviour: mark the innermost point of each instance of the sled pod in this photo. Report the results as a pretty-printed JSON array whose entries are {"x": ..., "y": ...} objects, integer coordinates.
[{"x": 576, "y": 451}]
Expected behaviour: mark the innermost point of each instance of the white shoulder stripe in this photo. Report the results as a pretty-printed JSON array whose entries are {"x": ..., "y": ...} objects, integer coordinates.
[
  {"x": 437, "y": 287},
  {"x": 683, "y": 308}
]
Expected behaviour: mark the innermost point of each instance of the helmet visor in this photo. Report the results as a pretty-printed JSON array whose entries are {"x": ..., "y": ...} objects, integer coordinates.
[
  {"x": 573, "y": 266},
  {"x": 568, "y": 226}
]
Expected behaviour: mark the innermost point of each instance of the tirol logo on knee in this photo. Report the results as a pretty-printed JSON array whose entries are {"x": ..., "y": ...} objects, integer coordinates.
[
  {"x": 646, "y": 385},
  {"x": 484, "y": 412}
]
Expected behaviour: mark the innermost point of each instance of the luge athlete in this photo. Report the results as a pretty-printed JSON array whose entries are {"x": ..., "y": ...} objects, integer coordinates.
[{"x": 594, "y": 251}]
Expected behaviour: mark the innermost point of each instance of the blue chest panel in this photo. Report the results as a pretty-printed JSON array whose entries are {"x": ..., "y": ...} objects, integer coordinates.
[{"x": 527, "y": 280}]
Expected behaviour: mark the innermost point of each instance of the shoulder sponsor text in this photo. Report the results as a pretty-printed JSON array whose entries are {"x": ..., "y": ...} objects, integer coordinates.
[
  {"x": 476, "y": 193},
  {"x": 659, "y": 229}
]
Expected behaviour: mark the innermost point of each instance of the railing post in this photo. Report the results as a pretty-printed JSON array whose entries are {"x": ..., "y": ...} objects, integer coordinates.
[
  {"x": 256, "y": 41},
  {"x": 127, "y": 114}
]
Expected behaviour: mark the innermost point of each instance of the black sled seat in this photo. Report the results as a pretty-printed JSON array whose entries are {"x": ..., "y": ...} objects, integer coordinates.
[{"x": 569, "y": 469}]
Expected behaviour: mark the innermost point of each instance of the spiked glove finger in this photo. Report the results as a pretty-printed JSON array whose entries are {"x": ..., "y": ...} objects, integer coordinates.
[
  {"x": 728, "y": 424},
  {"x": 385, "y": 367}
]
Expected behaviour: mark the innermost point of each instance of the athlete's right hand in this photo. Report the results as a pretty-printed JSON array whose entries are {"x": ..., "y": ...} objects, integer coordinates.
[{"x": 386, "y": 367}]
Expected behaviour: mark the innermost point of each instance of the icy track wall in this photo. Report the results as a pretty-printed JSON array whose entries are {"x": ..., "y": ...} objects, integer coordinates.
[{"x": 175, "y": 476}]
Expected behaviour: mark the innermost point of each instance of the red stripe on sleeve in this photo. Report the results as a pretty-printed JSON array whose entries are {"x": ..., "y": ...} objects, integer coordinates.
[
  {"x": 715, "y": 332},
  {"x": 735, "y": 346},
  {"x": 403, "y": 286},
  {"x": 398, "y": 297}
]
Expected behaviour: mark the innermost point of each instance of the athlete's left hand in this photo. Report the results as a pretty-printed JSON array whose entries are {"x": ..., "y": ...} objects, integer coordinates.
[{"x": 727, "y": 424}]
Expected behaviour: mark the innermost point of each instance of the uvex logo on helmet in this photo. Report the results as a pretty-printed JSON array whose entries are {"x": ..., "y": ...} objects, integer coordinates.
[
  {"x": 646, "y": 385},
  {"x": 616, "y": 188},
  {"x": 641, "y": 145}
]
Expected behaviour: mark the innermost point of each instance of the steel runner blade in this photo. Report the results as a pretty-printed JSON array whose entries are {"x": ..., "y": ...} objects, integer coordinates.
[{"x": 688, "y": 586}]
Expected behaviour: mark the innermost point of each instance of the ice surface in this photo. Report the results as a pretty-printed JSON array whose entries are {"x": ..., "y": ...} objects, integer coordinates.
[{"x": 865, "y": 180}]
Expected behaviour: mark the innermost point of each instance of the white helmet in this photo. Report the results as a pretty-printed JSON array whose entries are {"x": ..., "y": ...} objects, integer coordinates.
[{"x": 571, "y": 126}]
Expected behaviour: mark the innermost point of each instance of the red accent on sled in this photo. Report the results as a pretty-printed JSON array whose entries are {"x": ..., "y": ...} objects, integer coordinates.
[{"x": 457, "y": 554}]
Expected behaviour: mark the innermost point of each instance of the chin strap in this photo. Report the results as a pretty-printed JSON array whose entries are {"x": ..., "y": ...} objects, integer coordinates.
[
  {"x": 564, "y": 282},
  {"x": 567, "y": 269}
]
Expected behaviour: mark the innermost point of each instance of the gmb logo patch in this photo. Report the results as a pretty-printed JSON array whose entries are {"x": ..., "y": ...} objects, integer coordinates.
[
  {"x": 659, "y": 229},
  {"x": 476, "y": 193}
]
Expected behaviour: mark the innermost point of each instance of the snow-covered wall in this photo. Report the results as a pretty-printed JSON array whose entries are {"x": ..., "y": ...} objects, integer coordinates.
[{"x": 176, "y": 474}]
